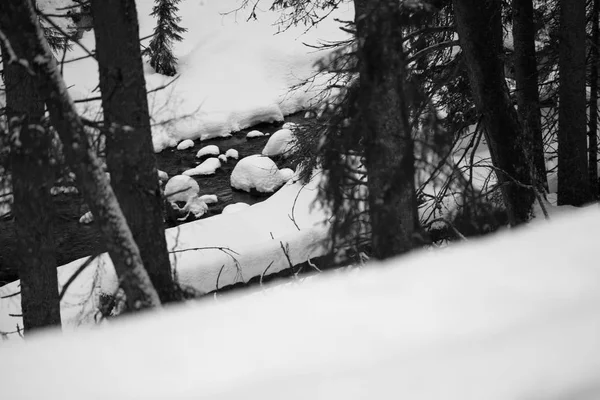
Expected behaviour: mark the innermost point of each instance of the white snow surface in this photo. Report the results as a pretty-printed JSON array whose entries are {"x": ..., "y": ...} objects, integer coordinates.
[
  {"x": 252, "y": 240},
  {"x": 256, "y": 172},
  {"x": 280, "y": 143},
  {"x": 232, "y": 208},
  {"x": 208, "y": 167},
  {"x": 286, "y": 173},
  {"x": 222, "y": 158},
  {"x": 181, "y": 188},
  {"x": 513, "y": 316},
  {"x": 210, "y": 150},
  {"x": 232, "y": 153},
  {"x": 162, "y": 176},
  {"x": 233, "y": 73},
  {"x": 185, "y": 144}
]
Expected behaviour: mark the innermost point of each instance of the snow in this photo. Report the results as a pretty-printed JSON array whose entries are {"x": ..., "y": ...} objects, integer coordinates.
[
  {"x": 233, "y": 208},
  {"x": 209, "y": 198},
  {"x": 195, "y": 206},
  {"x": 492, "y": 319},
  {"x": 208, "y": 167},
  {"x": 256, "y": 173},
  {"x": 210, "y": 150},
  {"x": 86, "y": 218},
  {"x": 181, "y": 188},
  {"x": 290, "y": 125},
  {"x": 222, "y": 158},
  {"x": 233, "y": 73},
  {"x": 286, "y": 174},
  {"x": 232, "y": 153},
  {"x": 207, "y": 254},
  {"x": 185, "y": 144},
  {"x": 162, "y": 176},
  {"x": 280, "y": 143},
  {"x": 254, "y": 134}
]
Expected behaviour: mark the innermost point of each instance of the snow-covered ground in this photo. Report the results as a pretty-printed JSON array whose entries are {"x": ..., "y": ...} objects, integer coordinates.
[
  {"x": 512, "y": 316},
  {"x": 207, "y": 254},
  {"x": 233, "y": 73}
]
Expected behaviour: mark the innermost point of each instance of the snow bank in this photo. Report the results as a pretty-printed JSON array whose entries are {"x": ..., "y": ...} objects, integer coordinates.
[
  {"x": 208, "y": 167},
  {"x": 250, "y": 241},
  {"x": 280, "y": 143},
  {"x": 233, "y": 73},
  {"x": 232, "y": 208},
  {"x": 493, "y": 319},
  {"x": 258, "y": 173},
  {"x": 181, "y": 188}
]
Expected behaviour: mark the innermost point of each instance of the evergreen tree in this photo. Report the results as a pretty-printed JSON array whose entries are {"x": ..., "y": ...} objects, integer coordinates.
[{"x": 160, "y": 49}]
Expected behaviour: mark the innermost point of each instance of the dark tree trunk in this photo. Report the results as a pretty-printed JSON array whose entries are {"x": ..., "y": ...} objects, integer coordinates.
[
  {"x": 19, "y": 24},
  {"x": 479, "y": 26},
  {"x": 593, "y": 126},
  {"x": 384, "y": 124},
  {"x": 573, "y": 177},
  {"x": 32, "y": 178},
  {"x": 130, "y": 155},
  {"x": 526, "y": 75}
]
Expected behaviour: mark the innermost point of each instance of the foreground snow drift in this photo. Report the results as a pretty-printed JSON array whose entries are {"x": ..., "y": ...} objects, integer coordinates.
[
  {"x": 514, "y": 316},
  {"x": 207, "y": 254}
]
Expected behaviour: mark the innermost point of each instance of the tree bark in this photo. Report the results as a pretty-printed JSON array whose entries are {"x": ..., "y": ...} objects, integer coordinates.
[
  {"x": 32, "y": 178},
  {"x": 130, "y": 154},
  {"x": 593, "y": 124},
  {"x": 479, "y": 27},
  {"x": 573, "y": 177},
  {"x": 384, "y": 123},
  {"x": 19, "y": 24},
  {"x": 528, "y": 99}
]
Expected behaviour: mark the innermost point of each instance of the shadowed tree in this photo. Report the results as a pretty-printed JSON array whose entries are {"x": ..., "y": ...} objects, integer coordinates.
[
  {"x": 573, "y": 179},
  {"x": 479, "y": 26},
  {"x": 32, "y": 178},
  {"x": 384, "y": 126},
  {"x": 129, "y": 151},
  {"x": 21, "y": 30}
]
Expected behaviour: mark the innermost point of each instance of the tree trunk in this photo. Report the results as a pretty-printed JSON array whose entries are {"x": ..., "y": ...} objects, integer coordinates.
[
  {"x": 19, "y": 24},
  {"x": 384, "y": 123},
  {"x": 130, "y": 155},
  {"x": 32, "y": 178},
  {"x": 526, "y": 75},
  {"x": 479, "y": 26},
  {"x": 593, "y": 125},
  {"x": 573, "y": 177}
]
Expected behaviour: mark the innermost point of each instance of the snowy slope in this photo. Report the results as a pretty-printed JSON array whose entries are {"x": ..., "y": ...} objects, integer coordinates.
[
  {"x": 233, "y": 73},
  {"x": 514, "y": 316}
]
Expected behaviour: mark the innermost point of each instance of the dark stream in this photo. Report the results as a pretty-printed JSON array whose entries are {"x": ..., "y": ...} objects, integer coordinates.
[{"x": 74, "y": 240}]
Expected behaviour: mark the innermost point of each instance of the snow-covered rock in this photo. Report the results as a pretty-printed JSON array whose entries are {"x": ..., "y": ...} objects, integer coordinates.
[
  {"x": 258, "y": 173},
  {"x": 222, "y": 158},
  {"x": 232, "y": 208},
  {"x": 209, "y": 198},
  {"x": 86, "y": 218},
  {"x": 289, "y": 125},
  {"x": 196, "y": 206},
  {"x": 162, "y": 176},
  {"x": 181, "y": 188},
  {"x": 208, "y": 167},
  {"x": 232, "y": 153},
  {"x": 210, "y": 150},
  {"x": 254, "y": 134},
  {"x": 185, "y": 144},
  {"x": 286, "y": 174},
  {"x": 280, "y": 143}
]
